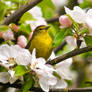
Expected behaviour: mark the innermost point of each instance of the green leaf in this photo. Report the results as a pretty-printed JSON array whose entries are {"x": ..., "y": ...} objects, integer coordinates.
[
  {"x": 25, "y": 28},
  {"x": 28, "y": 83},
  {"x": 58, "y": 38},
  {"x": 52, "y": 30},
  {"x": 68, "y": 32},
  {"x": 17, "y": 1},
  {"x": 26, "y": 16},
  {"x": 3, "y": 28},
  {"x": 47, "y": 8},
  {"x": 2, "y": 10},
  {"x": 3, "y": 69},
  {"x": 85, "y": 30},
  {"x": 86, "y": 4},
  {"x": 61, "y": 35},
  {"x": 88, "y": 40},
  {"x": 20, "y": 70}
]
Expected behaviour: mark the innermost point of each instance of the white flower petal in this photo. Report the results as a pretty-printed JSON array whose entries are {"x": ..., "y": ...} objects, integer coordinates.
[
  {"x": 89, "y": 13},
  {"x": 77, "y": 14},
  {"x": 63, "y": 68},
  {"x": 52, "y": 80},
  {"x": 60, "y": 84},
  {"x": 4, "y": 77},
  {"x": 44, "y": 84}
]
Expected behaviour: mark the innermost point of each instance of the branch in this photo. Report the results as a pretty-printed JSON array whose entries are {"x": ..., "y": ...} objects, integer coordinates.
[
  {"x": 60, "y": 47},
  {"x": 70, "y": 54},
  {"x": 17, "y": 14},
  {"x": 35, "y": 89},
  {"x": 53, "y": 20},
  {"x": 74, "y": 90}
]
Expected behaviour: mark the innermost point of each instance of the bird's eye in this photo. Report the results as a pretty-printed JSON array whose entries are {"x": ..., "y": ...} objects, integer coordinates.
[{"x": 40, "y": 28}]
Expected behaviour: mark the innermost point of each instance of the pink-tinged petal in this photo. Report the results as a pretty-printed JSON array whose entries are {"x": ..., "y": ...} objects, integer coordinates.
[
  {"x": 22, "y": 41},
  {"x": 71, "y": 41},
  {"x": 8, "y": 35},
  {"x": 14, "y": 27},
  {"x": 1, "y": 33},
  {"x": 65, "y": 21}
]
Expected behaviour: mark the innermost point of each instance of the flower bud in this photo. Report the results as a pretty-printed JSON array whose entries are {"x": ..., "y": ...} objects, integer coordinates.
[
  {"x": 14, "y": 27},
  {"x": 8, "y": 35},
  {"x": 65, "y": 21},
  {"x": 22, "y": 41}
]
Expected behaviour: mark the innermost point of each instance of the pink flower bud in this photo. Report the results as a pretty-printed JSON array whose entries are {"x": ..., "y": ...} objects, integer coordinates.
[
  {"x": 22, "y": 41},
  {"x": 14, "y": 27},
  {"x": 1, "y": 34},
  {"x": 8, "y": 35},
  {"x": 65, "y": 21}
]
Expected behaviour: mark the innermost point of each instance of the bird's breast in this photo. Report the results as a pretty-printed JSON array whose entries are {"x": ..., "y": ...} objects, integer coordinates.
[{"x": 43, "y": 45}]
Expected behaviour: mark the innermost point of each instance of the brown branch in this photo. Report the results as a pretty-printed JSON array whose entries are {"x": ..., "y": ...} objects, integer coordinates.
[
  {"x": 17, "y": 14},
  {"x": 60, "y": 47},
  {"x": 74, "y": 90},
  {"x": 70, "y": 54},
  {"x": 35, "y": 89},
  {"x": 53, "y": 20}
]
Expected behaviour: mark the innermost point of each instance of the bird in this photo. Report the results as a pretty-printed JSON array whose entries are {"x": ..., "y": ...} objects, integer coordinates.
[{"x": 41, "y": 41}]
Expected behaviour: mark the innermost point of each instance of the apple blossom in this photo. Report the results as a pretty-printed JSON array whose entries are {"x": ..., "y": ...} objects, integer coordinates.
[
  {"x": 10, "y": 55},
  {"x": 8, "y": 35},
  {"x": 43, "y": 71},
  {"x": 22, "y": 41},
  {"x": 80, "y": 16},
  {"x": 77, "y": 14},
  {"x": 65, "y": 21},
  {"x": 63, "y": 69}
]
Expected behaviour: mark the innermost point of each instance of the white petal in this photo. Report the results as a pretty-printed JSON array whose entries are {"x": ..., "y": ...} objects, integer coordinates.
[
  {"x": 60, "y": 84},
  {"x": 71, "y": 41},
  {"x": 4, "y": 77},
  {"x": 63, "y": 68},
  {"x": 34, "y": 55},
  {"x": 52, "y": 80},
  {"x": 52, "y": 56},
  {"x": 77, "y": 14},
  {"x": 36, "y": 11},
  {"x": 89, "y": 13},
  {"x": 44, "y": 84}
]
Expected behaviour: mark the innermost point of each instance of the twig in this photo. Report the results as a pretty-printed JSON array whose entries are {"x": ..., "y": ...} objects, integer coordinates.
[
  {"x": 60, "y": 47},
  {"x": 35, "y": 89},
  {"x": 17, "y": 14},
  {"x": 70, "y": 54},
  {"x": 53, "y": 20},
  {"x": 74, "y": 90}
]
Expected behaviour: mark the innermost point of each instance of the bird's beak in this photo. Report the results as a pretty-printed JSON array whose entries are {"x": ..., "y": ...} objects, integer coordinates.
[{"x": 47, "y": 27}]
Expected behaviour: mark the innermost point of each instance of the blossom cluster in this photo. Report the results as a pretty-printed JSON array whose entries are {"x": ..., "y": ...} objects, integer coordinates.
[
  {"x": 77, "y": 19},
  {"x": 12, "y": 56}
]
